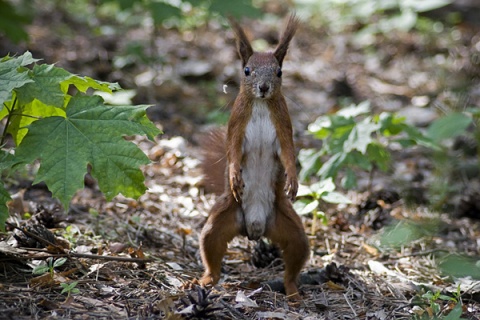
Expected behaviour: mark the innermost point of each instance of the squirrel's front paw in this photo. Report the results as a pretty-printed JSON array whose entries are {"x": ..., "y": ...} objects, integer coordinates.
[
  {"x": 291, "y": 187},
  {"x": 236, "y": 181}
]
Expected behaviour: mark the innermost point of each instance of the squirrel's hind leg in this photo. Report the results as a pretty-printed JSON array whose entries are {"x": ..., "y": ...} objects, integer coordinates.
[
  {"x": 288, "y": 233},
  {"x": 221, "y": 227}
]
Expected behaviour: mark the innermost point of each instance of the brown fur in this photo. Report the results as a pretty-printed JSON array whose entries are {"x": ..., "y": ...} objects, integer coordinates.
[{"x": 224, "y": 223}]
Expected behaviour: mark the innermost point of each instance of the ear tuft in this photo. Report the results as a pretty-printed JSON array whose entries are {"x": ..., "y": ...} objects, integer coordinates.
[
  {"x": 244, "y": 47},
  {"x": 287, "y": 36}
]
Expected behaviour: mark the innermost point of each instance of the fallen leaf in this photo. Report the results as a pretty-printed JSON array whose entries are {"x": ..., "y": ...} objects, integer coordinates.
[{"x": 244, "y": 301}]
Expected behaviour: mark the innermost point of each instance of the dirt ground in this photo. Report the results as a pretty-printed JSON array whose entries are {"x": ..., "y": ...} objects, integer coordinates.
[{"x": 136, "y": 259}]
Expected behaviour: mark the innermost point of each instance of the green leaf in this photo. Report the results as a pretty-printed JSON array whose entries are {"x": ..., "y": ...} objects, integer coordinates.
[
  {"x": 460, "y": 266},
  {"x": 335, "y": 197},
  {"x": 455, "y": 313},
  {"x": 4, "y": 198},
  {"x": 355, "y": 110},
  {"x": 415, "y": 135},
  {"x": 11, "y": 76},
  {"x": 349, "y": 181},
  {"x": 361, "y": 136},
  {"x": 379, "y": 155},
  {"x": 41, "y": 269},
  {"x": 304, "y": 191},
  {"x": 404, "y": 21},
  {"x": 12, "y": 23},
  {"x": 238, "y": 8},
  {"x": 450, "y": 126},
  {"x": 59, "y": 262},
  {"x": 305, "y": 206},
  {"x": 319, "y": 128},
  {"x": 423, "y": 6},
  {"x": 357, "y": 159},
  {"x": 331, "y": 167},
  {"x": 310, "y": 162},
  {"x": 323, "y": 186},
  {"x": 7, "y": 160},
  {"x": 85, "y": 83},
  {"x": 161, "y": 11},
  {"x": 391, "y": 124},
  {"x": 46, "y": 86},
  {"x": 91, "y": 133},
  {"x": 24, "y": 115},
  {"x": 69, "y": 287}
]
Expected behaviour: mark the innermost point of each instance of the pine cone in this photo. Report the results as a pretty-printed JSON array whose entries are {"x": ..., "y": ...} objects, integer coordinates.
[
  {"x": 265, "y": 254},
  {"x": 202, "y": 307}
]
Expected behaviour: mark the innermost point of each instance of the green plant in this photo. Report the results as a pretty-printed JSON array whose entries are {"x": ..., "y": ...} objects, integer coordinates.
[
  {"x": 310, "y": 197},
  {"x": 49, "y": 266},
  {"x": 368, "y": 17},
  {"x": 187, "y": 13},
  {"x": 449, "y": 163},
  {"x": 69, "y": 288},
  {"x": 352, "y": 138},
  {"x": 72, "y": 233},
  {"x": 14, "y": 15},
  {"x": 67, "y": 132},
  {"x": 430, "y": 305}
]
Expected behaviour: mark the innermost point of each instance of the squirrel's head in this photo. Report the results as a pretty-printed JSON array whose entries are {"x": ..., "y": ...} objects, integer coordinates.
[{"x": 262, "y": 71}]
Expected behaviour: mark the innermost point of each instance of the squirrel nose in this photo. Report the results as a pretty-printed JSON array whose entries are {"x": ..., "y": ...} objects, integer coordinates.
[{"x": 263, "y": 88}]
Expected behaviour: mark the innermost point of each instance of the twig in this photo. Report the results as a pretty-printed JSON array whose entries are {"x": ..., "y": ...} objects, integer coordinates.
[
  {"x": 351, "y": 307},
  {"x": 83, "y": 255},
  {"x": 9, "y": 118}
]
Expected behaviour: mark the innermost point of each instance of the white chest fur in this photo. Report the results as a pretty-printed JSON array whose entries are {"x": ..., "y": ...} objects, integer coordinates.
[{"x": 259, "y": 170}]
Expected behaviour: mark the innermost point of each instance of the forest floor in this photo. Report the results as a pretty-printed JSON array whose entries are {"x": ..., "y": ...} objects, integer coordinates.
[{"x": 387, "y": 255}]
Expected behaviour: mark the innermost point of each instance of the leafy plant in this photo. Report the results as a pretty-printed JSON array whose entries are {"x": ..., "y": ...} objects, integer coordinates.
[
  {"x": 430, "y": 306},
  {"x": 183, "y": 10},
  {"x": 14, "y": 15},
  {"x": 447, "y": 161},
  {"x": 368, "y": 17},
  {"x": 49, "y": 266},
  {"x": 310, "y": 198},
  {"x": 352, "y": 138},
  {"x": 67, "y": 132},
  {"x": 69, "y": 288}
]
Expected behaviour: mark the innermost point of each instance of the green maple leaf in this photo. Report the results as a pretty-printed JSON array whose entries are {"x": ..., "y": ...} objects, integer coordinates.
[
  {"x": 49, "y": 84},
  {"x": 12, "y": 76},
  {"x": 4, "y": 198},
  {"x": 84, "y": 83},
  {"x": 24, "y": 115},
  {"x": 6, "y": 161},
  {"x": 45, "y": 86},
  {"x": 91, "y": 133}
]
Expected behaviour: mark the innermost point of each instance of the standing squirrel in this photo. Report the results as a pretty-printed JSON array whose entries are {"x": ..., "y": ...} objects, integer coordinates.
[{"x": 255, "y": 163}]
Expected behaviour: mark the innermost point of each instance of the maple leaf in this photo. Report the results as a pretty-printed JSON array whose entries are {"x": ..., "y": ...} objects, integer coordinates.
[
  {"x": 90, "y": 133},
  {"x": 11, "y": 77},
  {"x": 45, "y": 87},
  {"x": 25, "y": 114},
  {"x": 4, "y": 198},
  {"x": 6, "y": 161}
]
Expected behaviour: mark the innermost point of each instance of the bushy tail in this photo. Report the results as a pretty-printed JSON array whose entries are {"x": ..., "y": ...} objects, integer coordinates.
[{"x": 214, "y": 160}]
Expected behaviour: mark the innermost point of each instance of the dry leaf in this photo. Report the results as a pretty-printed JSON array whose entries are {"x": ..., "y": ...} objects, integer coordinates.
[
  {"x": 333, "y": 286},
  {"x": 370, "y": 250}
]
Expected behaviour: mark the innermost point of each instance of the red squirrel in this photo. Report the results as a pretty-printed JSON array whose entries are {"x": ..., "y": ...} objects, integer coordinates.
[{"x": 258, "y": 173}]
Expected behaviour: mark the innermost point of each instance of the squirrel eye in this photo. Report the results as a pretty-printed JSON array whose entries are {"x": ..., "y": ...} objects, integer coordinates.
[
  {"x": 247, "y": 71},
  {"x": 279, "y": 72}
]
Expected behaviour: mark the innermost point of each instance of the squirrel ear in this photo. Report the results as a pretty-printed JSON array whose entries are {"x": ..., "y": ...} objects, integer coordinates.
[
  {"x": 287, "y": 36},
  {"x": 243, "y": 45}
]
